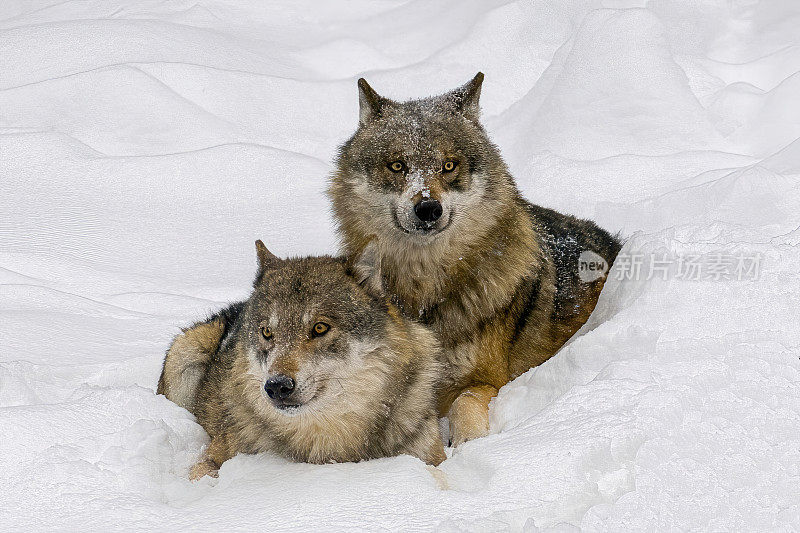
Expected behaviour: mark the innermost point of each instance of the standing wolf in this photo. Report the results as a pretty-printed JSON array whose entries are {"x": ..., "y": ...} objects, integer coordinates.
[
  {"x": 316, "y": 366},
  {"x": 494, "y": 276}
]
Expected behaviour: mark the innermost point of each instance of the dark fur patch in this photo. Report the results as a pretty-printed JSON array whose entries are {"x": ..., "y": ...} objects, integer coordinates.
[
  {"x": 528, "y": 294},
  {"x": 566, "y": 237}
]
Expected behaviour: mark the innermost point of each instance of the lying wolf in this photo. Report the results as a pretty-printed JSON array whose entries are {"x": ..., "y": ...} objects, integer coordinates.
[
  {"x": 496, "y": 277},
  {"x": 315, "y": 366}
]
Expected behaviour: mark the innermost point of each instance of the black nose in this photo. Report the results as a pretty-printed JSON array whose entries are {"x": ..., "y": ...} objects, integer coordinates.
[
  {"x": 428, "y": 211},
  {"x": 279, "y": 387}
]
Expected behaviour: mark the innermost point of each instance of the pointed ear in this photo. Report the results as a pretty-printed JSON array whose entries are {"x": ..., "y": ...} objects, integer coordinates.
[
  {"x": 266, "y": 259},
  {"x": 367, "y": 269},
  {"x": 467, "y": 96},
  {"x": 369, "y": 102}
]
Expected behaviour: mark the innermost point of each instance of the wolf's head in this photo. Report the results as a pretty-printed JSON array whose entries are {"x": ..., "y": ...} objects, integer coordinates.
[
  {"x": 416, "y": 170},
  {"x": 309, "y": 327}
]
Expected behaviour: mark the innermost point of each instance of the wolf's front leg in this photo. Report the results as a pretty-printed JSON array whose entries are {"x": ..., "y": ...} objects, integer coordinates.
[
  {"x": 212, "y": 458},
  {"x": 469, "y": 414}
]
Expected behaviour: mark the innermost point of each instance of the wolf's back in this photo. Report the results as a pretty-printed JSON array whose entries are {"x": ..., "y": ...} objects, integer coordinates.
[
  {"x": 192, "y": 352},
  {"x": 566, "y": 237}
]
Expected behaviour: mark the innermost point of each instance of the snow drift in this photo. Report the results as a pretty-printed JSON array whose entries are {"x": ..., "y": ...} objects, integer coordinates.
[{"x": 145, "y": 145}]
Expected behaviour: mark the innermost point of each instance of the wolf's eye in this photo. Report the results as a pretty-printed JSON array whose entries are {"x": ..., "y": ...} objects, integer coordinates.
[
  {"x": 396, "y": 166},
  {"x": 449, "y": 166},
  {"x": 320, "y": 329},
  {"x": 266, "y": 332}
]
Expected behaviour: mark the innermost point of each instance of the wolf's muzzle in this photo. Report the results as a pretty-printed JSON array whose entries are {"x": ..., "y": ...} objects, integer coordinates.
[
  {"x": 428, "y": 211},
  {"x": 279, "y": 388}
]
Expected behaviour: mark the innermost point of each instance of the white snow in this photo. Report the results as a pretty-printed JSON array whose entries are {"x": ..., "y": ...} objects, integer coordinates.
[{"x": 145, "y": 145}]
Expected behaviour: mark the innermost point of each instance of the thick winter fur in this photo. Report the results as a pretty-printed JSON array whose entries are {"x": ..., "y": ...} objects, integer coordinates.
[
  {"x": 190, "y": 355},
  {"x": 495, "y": 277},
  {"x": 364, "y": 388}
]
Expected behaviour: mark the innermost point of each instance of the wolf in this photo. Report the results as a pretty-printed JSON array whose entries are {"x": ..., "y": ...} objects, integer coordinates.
[
  {"x": 493, "y": 275},
  {"x": 316, "y": 366}
]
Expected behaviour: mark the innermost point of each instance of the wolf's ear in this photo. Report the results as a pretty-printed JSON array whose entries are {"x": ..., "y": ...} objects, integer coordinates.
[
  {"x": 467, "y": 96},
  {"x": 367, "y": 269},
  {"x": 369, "y": 102},
  {"x": 266, "y": 259}
]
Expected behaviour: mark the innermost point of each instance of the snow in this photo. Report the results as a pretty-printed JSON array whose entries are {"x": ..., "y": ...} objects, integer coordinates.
[{"x": 145, "y": 145}]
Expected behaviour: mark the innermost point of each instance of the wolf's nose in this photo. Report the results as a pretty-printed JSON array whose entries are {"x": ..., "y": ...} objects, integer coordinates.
[
  {"x": 279, "y": 387},
  {"x": 428, "y": 211}
]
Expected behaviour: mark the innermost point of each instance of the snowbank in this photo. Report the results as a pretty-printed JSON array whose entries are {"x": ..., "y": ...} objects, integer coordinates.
[{"x": 145, "y": 145}]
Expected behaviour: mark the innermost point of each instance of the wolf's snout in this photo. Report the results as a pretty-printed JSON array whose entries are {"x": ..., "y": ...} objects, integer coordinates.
[
  {"x": 279, "y": 387},
  {"x": 428, "y": 211}
]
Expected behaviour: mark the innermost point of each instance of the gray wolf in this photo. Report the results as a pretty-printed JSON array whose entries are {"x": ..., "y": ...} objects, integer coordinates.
[
  {"x": 316, "y": 366},
  {"x": 494, "y": 276}
]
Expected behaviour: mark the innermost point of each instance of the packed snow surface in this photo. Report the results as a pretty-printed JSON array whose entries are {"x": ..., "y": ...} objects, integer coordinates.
[{"x": 144, "y": 146}]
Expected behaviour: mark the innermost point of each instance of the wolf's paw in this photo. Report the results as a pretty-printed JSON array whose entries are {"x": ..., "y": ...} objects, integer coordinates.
[
  {"x": 464, "y": 430},
  {"x": 202, "y": 469},
  {"x": 469, "y": 414}
]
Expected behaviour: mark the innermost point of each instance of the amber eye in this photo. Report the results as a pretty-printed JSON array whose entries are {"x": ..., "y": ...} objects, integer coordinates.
[
  {"x": 449, "y": 166},
  {"x": 320, "y": 329},
  {"x": 266, "y": 333},
  {"x": 396, "y": 166}
]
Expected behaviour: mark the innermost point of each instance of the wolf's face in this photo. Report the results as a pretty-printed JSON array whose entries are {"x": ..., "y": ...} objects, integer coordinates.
[
  {"x": 308, "y": 329},
  {"x": 415, "y": 169}
]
